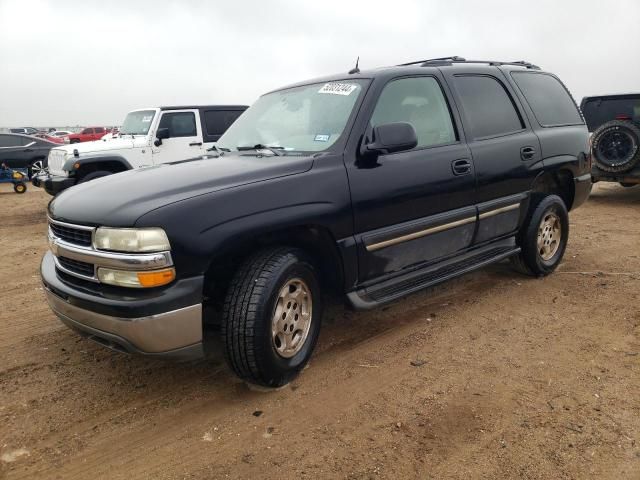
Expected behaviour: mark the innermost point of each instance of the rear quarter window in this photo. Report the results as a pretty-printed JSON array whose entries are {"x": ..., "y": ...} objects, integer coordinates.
[
  {"x": 550, "y": 101},
  {"x": 217, "y": 121}
]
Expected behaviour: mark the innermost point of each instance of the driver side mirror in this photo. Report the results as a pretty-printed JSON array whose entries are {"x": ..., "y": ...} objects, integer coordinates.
[
  {"x": 390, "y": 138},
  {"x": 161, "y": 134}
]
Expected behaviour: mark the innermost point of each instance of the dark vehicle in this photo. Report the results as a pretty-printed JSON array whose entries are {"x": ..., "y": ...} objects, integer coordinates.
[
  {"x": 615, "y": 123},
  {"x": 25, "y": 130},
  {"x": 15, "y": 177},
  {"x": 24, "y": 151},
  {"x": 371, "y": 184}
]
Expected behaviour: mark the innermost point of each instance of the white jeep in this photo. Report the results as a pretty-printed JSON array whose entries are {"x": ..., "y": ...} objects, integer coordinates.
[{"x": 148, "y": 137}]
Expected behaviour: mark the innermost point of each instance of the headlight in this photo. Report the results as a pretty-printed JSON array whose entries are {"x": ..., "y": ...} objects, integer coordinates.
[
  {"x": 135, "y": 240},
  {"x": 125, "y": 278}
]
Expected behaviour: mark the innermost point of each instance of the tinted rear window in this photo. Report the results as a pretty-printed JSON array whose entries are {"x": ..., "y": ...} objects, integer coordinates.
[
  {"x": 488, "y": 108},
  {"x": 217, "y": 121},
  {"x": 550, "y": 101},
  {"x": 599, "y": 110}
]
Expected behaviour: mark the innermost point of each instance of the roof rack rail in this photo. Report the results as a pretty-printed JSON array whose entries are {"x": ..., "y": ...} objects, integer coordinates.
[{"x": 444, "y": 61}]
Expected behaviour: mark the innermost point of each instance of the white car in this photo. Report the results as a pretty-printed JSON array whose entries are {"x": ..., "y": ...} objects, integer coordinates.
[
  {"x": 147, "y": 137},
  {"x": 60, "y": 133}
]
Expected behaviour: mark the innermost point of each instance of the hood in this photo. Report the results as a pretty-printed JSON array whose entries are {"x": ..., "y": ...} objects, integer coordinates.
[
  {"x": 103, "y": 145},
  {"x": 119, "y": 200}
]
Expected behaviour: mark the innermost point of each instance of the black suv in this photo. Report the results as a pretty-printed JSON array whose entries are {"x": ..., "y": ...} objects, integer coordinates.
[
  {"x": 615, "y": 143},
  {"x": 370, "y": 184}
]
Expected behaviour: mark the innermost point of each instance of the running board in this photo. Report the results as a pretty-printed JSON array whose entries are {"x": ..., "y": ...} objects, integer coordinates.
[{"x": 389, "y": 290}]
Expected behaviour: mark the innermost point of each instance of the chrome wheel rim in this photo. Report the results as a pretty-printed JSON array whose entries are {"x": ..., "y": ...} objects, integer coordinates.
[
  {"x": 292, "y": 318},
  {"x": 549, "y": 236},
  {"x": 36, "y": 167}
]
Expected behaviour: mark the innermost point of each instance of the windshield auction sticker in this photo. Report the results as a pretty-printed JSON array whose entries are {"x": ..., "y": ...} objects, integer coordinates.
[{"x": 338, "y": 88}]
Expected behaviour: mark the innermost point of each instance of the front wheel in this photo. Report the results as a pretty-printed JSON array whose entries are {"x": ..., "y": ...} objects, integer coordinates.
[
  {"x": 271, "y": 317},
  {"x": 543, "y": 236},
  {"x": 19, "y": 188}
]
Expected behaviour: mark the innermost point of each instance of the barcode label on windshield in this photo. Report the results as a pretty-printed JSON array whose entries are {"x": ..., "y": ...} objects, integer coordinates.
[{"x": 338, "y": 88}]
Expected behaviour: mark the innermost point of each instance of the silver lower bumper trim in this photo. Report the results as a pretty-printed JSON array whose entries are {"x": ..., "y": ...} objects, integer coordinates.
[{"x": 153, "y": 334}]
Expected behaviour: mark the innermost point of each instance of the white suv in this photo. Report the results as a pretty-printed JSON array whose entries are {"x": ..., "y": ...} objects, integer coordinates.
[{"x": 148, "y": 136}]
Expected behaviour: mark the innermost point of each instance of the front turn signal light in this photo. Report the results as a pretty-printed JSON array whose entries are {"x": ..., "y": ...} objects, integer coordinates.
[
  {"x": 147, "y": 279},
  {"x": 156, "y": 278}
]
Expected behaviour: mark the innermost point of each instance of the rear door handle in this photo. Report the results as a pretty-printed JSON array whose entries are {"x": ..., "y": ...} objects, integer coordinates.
[
  {"x": 461, "y": 167},
  {"x": 195, "y": 144},
  {"x": 527, "y": 153}
]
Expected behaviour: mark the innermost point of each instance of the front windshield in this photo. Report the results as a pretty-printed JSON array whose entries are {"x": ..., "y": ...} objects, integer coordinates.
[
  {"x": 138, "y": 122},
  {"x": 308, "y": 118}
]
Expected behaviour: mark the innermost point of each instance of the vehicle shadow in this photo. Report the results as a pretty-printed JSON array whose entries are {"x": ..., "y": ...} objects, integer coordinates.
[{"x": 614, "y": 194}]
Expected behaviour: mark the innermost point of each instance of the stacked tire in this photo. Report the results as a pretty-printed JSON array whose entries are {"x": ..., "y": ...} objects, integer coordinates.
[{"x": 616, "y": 146}]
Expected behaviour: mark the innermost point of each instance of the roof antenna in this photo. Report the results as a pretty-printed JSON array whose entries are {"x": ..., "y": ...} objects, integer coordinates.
[{"x": 355, "y": 69}]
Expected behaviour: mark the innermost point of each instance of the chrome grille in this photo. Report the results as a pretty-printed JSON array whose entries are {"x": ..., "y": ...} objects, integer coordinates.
[
  {"x": 82, "y": 268},
  {"x": 56, "y": 160},
  {"x": 71, "y": 235}
]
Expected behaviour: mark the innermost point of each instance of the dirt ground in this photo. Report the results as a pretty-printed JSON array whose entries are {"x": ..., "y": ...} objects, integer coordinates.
[{"x": 491, "y": 376}]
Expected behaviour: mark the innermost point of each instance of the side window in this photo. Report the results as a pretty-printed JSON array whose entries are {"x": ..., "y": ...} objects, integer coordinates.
[
  {"x": 10, "y": 141},
  {"x": 420, "y": 102},
  {"x": 87, "y": 130},
  {"x": 547, "y": 97},
  {"x": 217, "y": 121},
  {"x": 180, "y": 124},
  {"x": 100, "y": 130},
  {"x": 488, "y": 108}
]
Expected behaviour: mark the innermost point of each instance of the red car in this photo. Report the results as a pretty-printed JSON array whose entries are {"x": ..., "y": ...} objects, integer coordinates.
[
  {"x": 51, "y": 138},
  {"x": 89, "y": 134}
]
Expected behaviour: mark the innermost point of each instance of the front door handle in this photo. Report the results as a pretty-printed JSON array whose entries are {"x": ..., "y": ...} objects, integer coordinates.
[
  {"x": 195, "y": 144},
  {"x": 461, "y": 167},
  {"x": 527, "y": 153}
]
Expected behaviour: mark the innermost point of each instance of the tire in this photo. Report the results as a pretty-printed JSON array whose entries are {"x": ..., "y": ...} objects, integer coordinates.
[
  {"x": 19, "y": 187},
  {"x": 93, "y": 175},
  {"x": 629, "y": 185},
  {"x": 35, "y": 167},
  {"x": 256, "y": 295},
  {"x": 543, "y": 236},
  {"x": 74, "y": 140},
  {"x": 615, "y": 146}
]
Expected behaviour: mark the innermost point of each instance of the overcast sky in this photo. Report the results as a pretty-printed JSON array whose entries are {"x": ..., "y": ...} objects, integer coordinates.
[{"x": 67, "y": 62}]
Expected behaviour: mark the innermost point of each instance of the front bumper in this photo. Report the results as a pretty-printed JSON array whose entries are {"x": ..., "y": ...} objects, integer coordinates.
[
  {"x": 53, "y": 185},
  {"x": 166, "y": 322}
]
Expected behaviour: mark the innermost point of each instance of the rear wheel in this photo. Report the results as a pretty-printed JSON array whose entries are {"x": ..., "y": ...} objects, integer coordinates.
[
  {"x": 543, "y": 236},
  {"x": 93, "y": 175},
  {"x": 35, "y": 168},
  {"x": 19, "y": 188},
  {"x": 271, "y": 317},
  {"x": 629, "y": 185}
]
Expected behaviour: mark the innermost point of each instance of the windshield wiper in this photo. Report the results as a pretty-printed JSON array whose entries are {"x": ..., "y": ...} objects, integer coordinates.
[
  {"x": 272, "y": 148},
  {"x": 219, "y": 150}
]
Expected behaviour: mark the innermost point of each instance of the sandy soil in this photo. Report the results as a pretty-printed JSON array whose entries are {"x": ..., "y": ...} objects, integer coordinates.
[{"x": 491, "y": 376}]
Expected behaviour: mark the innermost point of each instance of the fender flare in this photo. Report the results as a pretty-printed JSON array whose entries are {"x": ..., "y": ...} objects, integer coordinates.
[{"x": 69, "y": 164}]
